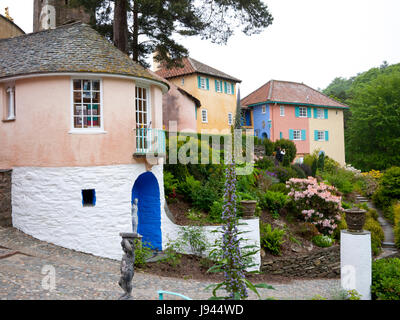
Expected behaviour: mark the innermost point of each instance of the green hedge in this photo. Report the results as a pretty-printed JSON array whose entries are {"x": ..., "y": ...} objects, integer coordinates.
[{"x": 386, "y": 279}]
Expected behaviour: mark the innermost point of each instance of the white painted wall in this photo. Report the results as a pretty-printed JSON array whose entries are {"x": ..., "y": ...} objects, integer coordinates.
[{"x": 47, "y": 204}]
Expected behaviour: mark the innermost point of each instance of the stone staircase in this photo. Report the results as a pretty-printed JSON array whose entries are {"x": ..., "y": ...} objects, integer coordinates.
[{"x": 388, "y": 243}]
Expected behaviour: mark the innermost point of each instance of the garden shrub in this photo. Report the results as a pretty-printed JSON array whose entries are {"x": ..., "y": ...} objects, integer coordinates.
[
  {"x": 316, "y": 203},
  {"x": 269, "y": 146},
  {"x": 388, "y": 191},
  {"x": 188, "y": 187},
  {"x": 264, "y": 163},
  {"x": 290, "y": 149},
  {"x": 216, "y": 211},
  {"x": 386, "y": 279},
  {"x": 377, "y": 234},
  {"x": 322, "y": 241},
  {"x": 170, "y": 184},
  {"x": 274, "y": 202},
  {"x": 265, "y": 180},
  {"x": 283, "y": 174},
  {"x": 306, "y": 168},
  {"x": 204, "y": 196},
  {"x": 271, "y": 239},
  {"x": 314, "y": 167},
  {"x": 299, "y": 171},
  {"x": 341, "y": 179},
  {"x": 142, "y": 253},
  {"x": 396, "y": 213},
  {"x": 308, "y": 230},
  {"x": 279, "y": 187}
]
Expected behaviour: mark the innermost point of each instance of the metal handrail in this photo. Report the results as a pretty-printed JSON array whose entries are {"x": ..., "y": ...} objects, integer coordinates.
[{"x": 150, "y": 140}]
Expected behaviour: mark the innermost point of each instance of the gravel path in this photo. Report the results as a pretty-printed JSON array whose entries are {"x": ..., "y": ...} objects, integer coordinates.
[{"x": 26, "y": 265}]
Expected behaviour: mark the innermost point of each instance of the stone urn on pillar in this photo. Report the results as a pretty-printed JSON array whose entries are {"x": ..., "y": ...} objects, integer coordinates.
[
  {"x": 355, "y": 219},
  {"x": 249, "y": 208}
]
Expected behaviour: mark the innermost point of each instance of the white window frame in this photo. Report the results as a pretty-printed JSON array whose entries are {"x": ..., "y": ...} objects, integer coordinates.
[
  {"x": 203, "y": 83},
  {"x": 95, "y": 130},
  {"x": 10, "y": 102},
  {"x": 302, "y": 112},
  {"x": 263, "y": 109},
  {"x": 229, "y": 88},
  {"x": 204, "y": 116},
  {"x": 147, "y": 125},
  {"x": 219, "y": 87},
  {"x": 320, "y": 113},
  {"x": 230, "y": 118},
  {"x": 297, "y": 132},
  {"x": 321, "y": 135},
  {"x": 282, "y": 111}
]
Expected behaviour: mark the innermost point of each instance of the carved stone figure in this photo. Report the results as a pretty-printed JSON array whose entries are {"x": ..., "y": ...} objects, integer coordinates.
[
  {"x": 127, "y": 268},
  {"x": 134, "y": 212}
]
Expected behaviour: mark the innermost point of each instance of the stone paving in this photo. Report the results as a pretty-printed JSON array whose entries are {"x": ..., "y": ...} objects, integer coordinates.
[{"x": 26, "y": 266}]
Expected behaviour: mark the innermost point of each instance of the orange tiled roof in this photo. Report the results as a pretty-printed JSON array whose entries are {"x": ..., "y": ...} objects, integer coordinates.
[
  {"x": 290, "y": 92},
  {"x": 191, "y": 66}
]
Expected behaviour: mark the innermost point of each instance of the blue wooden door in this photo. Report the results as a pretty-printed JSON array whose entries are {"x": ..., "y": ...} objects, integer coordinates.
[{"x": 147, "y": 192}]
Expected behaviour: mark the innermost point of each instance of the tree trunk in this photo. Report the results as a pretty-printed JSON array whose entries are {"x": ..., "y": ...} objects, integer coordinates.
[
  {"x": 120, "y": 29},
  {"x": 135, "y": 36}
]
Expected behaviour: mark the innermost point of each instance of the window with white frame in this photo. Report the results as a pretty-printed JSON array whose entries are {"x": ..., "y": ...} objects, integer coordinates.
[
  {"x": 183, "y": 81},
  {"x": 296, "y": 134},
  {"x": 230, "y": 118},
  {"x": 229, "y": 88},
  {"x": 302, "y": 112},
  {"x": 203, "y": 83},
  {"x": 87, "y": 103},
  {"x": 282, "y": 111},
  {"x": 263, "y": 109},
  {"x": 204, "y": 116},
  {"x": 218, "y": 85},
  {"x": 320, "y": 135},
  {"x": 320, "y": 114},
  {"x": 10, "y": 103}
]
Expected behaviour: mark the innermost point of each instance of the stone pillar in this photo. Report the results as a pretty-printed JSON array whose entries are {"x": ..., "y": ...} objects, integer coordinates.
[
  {"x": 356, "y": 262},
  {"x": 5, "y": 198}
]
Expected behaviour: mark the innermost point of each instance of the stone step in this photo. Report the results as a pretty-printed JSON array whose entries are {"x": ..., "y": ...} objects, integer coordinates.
[{"x": 388, "y": 245}]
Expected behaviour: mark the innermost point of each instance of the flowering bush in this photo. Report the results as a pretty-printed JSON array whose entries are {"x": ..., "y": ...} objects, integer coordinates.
[
  {"x": 375, "y": 174},
  {"x": 317, "y": 203}
]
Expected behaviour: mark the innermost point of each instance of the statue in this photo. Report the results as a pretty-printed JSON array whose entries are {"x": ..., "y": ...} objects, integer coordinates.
[
  {"x": 134, "y": 211},
  {"x": 127, "y": 268}
]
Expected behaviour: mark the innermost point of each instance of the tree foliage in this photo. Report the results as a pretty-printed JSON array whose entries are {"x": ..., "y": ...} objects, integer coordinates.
[
  {"x": 372, "y": 130},
  {"x": 153, "y": 24}
]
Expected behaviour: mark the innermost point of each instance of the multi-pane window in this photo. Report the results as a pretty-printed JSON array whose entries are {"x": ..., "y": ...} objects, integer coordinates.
[
  {"x": 282, "y": 111},
  {"x": 229, "y": 88},
  {"x": 263, "y": 109},
  {"x": 320, "y": 114},
  {"x": 230, "y": 118},
  {"x": 142, "y": 108},
  {"x": 203, "y": 83},
  {"x": 321, "y": 135},
  {"x": 204, "y": 116},
  {"x": 296, "y": 134},
  {"x": 86, "y": 97},
  {"x": 218, "y": 85},
  {"x": 302, "y": 112}
]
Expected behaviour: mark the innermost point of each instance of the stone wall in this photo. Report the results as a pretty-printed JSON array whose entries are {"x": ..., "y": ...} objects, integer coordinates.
[
  {"x": 5, "y": 198},
  {"x": 325, "y": 263}
]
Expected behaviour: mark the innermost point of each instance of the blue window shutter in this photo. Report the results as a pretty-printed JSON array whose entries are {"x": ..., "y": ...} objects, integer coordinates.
[
  {"x": 326, "y": 113},
  {"x": 326, "y": 135},
  {"x": 297, "y": 111},
  {"x": 233, "y": 88},
  {"x": 216, "y": 84},
  {"x": 315, "y": 113},
  {"x": 226, "y": 87},
  {"x": 198, "y": 82},
  {"x": 303, "y": 135},
  {"x": 280, "y": 135},
  {"x": 291, "y": 135},
  {"x": 316, "y": 135},
  {"x": 309, "y": 113},
  {"x": 208, "y": 84}
]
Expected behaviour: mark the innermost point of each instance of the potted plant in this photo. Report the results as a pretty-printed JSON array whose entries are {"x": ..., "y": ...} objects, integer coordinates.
[{"x": 248, "y": 203}]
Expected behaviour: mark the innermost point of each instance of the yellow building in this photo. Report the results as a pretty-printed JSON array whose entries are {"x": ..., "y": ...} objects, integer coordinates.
[
  {"x": 8, "y": 28},
  {"x": 216, "y": 91}
]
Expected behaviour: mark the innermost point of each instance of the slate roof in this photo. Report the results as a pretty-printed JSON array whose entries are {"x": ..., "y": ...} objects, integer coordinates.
[
  {"x": 292, "y": 93},
  {"x": 74, "y": 47},
  {"x": 191, "y": 66}
]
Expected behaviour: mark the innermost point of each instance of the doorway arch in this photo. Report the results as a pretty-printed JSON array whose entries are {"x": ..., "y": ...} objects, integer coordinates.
[{"x": 147, "y": 191}]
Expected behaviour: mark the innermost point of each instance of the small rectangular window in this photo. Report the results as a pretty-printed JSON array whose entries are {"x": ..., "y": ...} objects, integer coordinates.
[
  {"x": 229, "y": 88},
  {"x": 86, "y": 99},
  {"x": 10, "y": 103},
  {"x": 282, "y": 111},
  {"x": 218, "y": 85},
  {"x": 88, "y": 197},
  {"x": 204, "y": 116},
  {"x": 263, "y": 109},
  {"x": 320, "y": 135},
  {"x": 203, "y": 83},
  {"x": 230, "y": 118},
  {"x": 296, "y": 134},
  {"x": 320, "y": 114},
  {"x": 302, "y": 112}
]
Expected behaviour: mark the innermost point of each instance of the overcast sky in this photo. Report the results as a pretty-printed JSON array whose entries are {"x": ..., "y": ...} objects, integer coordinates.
[{"x": 310, "y": 41}]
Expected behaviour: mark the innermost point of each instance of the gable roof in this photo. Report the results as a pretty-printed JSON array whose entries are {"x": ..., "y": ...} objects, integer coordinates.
[
  {"x": 191, "y": 66},
  {"x": 12, "y": 23},
  {"x": 290, "y": 93},
  {"x": 70, "y": 48}
]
